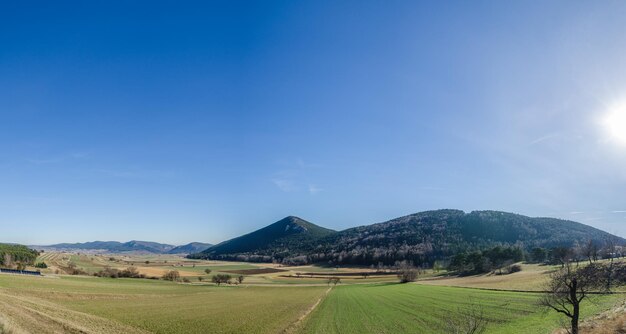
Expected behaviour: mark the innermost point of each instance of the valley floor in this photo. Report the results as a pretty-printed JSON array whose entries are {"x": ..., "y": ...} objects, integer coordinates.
[{"x": 292, "y": 300}]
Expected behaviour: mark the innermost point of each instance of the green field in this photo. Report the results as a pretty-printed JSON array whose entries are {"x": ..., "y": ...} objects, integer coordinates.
[
  {"x": 268, "y": 303},
  {"x": 119, "y": 305},
  {"x": 414, "y": 308}
]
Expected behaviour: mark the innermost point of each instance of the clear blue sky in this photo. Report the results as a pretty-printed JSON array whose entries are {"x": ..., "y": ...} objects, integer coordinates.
[{"x": 182, "y": 121}]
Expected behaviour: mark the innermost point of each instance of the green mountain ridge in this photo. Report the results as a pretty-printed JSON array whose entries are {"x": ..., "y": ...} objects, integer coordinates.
[
  {"x": 422, "y": 237},
  {"x": 284, "y": 234}
]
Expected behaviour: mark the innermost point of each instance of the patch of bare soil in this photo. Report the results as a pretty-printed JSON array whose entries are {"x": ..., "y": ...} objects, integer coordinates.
[{"x": 254, "y": 271}]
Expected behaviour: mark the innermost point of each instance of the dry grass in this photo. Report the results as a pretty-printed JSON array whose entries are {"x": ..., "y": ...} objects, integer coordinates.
[
  {"x": 35, "y": 315},
  {"x": 610, "y": 322},
  {"x": 531, "y": 278}
]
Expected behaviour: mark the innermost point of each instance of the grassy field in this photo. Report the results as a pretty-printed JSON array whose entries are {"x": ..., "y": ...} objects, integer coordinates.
[
  {"x": 415, "y": 308},
  {"x": 103, "y": 305},
  {"x": 531, "y": 278},
  {"x": 267, "y": 302}
]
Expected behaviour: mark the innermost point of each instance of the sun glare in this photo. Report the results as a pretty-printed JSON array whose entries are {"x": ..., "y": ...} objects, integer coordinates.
[{"x": 616, "y": 124}]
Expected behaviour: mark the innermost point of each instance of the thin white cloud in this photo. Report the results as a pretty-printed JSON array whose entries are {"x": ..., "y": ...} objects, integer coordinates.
[
  {"x": 543, "y": 138},
  {"x": 284, "y": 184},
  {"x": 313, "y": 189},
  {"x": 58, "y": 159},
  {"x": 295, "y": 176},
  {"x": 135, "y": 173},
  {"x": 431, "y": 188},
  {"x": 576, "y": 212},
  {"x": 618, "y": 211},
  {"x": 45, "y": 161}
]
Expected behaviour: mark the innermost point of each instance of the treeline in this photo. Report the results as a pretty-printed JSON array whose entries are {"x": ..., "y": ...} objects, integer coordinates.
[
  {"x": 17, "y": 256},
  {"x": 130, "y": 272},
  {"x": 500, "y": 260},
  {"x": 590, "y": 251}
]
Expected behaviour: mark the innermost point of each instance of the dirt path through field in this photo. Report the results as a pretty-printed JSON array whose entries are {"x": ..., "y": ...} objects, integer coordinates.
[
  {"x": 294, "y": 327},
  {"x": 27, "y": 314}
]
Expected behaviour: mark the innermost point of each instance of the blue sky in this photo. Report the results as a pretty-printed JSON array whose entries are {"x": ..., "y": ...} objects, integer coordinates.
[{"x": 180, "y": 122}]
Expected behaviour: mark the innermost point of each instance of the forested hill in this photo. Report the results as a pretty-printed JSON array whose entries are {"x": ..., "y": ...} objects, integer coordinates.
[
  {"x": 284, "y": 238},
  {"x": 11, "y": 253},
  {"x": 422, "y": 238}
]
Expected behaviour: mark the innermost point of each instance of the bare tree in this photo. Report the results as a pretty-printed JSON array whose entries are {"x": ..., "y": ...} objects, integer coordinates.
[
  {"x": 569, "y": 287},
  {"x": 406, "y": 272},
  {"x": 590, "y": 251},
  {"x": 333, "y": 280},
  {"x": 8, "y": 260},
  {"x": 172, "y": 275},
  {"x": 240, "y": 279},
  {"x": 471, "y": 320}
]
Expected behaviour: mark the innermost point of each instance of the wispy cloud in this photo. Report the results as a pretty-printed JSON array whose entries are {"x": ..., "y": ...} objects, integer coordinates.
[
  {"x": 45, "y": 161},
  {"x": 134, "y": 173},
  {"x": 58, "y": 159},
  {"x": 618, "y": 211},
  {"x": 285, "y": 185},
  {"x": 576, "y": 212},
  {"x": 296, "y": 176},
  {"x": 543, "y": 138},
  {"x": 431, "y": 188},
  {"x": 313, "y": 189}
]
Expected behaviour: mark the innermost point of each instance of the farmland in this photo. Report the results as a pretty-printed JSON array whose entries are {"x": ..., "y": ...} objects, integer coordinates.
[
  {"x": 414, "y": 308},
  {"x": 272, "y": 299},
  {"x": 102, "y": 305}
]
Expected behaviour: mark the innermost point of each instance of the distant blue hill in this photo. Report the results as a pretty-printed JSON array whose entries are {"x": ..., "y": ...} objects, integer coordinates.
[{"x": 130, "y": 246}]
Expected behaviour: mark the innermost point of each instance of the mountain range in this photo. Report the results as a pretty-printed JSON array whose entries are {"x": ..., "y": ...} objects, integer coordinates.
[
  {"x": 422, "y": 238},
  {"x": 128, "y": 247}
]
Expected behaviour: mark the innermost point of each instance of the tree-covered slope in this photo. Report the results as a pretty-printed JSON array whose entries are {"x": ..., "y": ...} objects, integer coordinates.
[
  {"x": 277, "y": 240},
  {"x": 427, "y": 236},
  {"x": 16, "y": 253},
  {"x": 422, "y": 238}
]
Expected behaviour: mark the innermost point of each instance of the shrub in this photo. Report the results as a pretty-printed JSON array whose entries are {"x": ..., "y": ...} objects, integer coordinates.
[
  {"x": 333, "y": 280},
  {"x": 130, "y": 272},
  {"x": 407, "y": 275},
  {"x": 221, "y": 278},
  {"x": 515, "y": 268},
  {"x": 406, "y": 272},
  {"x": 172, "y": 275},
  {"x": 41, "y": 265}
]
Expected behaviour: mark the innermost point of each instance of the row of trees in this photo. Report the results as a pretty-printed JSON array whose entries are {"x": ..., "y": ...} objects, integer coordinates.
[
  {"x": 226, "y": 279},
  {"x": 130, "y": 272},
  {"x": 494, "y": 259},
  {"x": 589, "y": 251}
]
